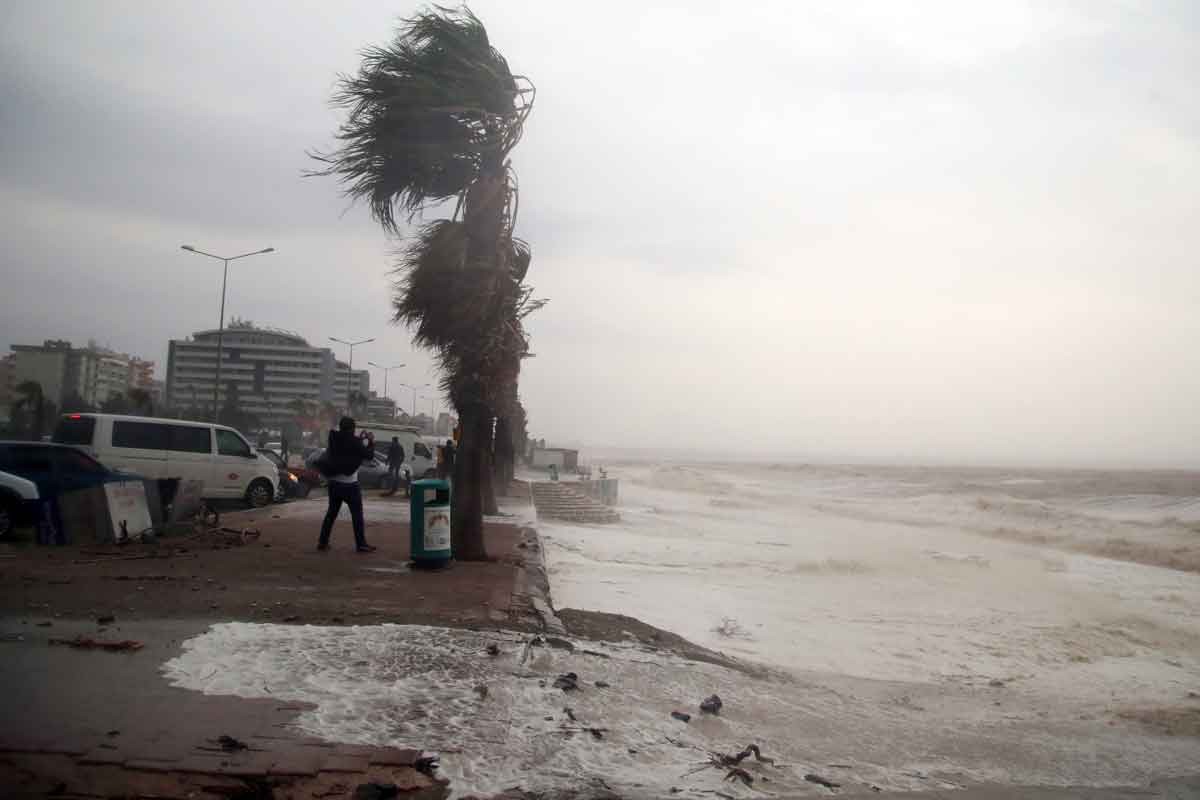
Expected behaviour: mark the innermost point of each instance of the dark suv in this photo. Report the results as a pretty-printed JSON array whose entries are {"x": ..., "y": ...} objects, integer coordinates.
[{"x": 53, "y": 469}]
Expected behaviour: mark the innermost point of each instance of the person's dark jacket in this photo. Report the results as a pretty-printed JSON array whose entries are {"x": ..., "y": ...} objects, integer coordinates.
[
  {"x": 347, "y": 452},
  {"x": 395, "y": 454}
]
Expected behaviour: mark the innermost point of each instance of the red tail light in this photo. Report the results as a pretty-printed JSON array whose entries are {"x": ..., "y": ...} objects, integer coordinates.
[{"x": 74, "y": 416}]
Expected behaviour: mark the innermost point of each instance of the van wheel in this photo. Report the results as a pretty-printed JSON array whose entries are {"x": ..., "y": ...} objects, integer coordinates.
[{"x": 259, "y": 494}]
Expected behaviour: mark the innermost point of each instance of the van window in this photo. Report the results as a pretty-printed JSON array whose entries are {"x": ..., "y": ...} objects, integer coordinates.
[
  {"x": 189, "y": 439},
  {"x": 230, "y": 444},
  {"x": 75, "y": 430},
  {"x": 139, "y": 435},
  {"x": 421, "y": 450}
]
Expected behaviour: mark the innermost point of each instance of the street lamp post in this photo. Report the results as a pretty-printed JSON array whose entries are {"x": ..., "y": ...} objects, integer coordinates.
[
  {"x": 414, "y": 391},
  {"x": 221, "y": 324},
  {"x": 350, "y": 365},
  {"x": 386, "y": 370}
]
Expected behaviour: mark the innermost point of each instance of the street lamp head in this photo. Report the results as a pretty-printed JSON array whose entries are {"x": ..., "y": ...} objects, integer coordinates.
[
  {"x": 267, "y": 250},
  {"x": 187, "y": 247}
]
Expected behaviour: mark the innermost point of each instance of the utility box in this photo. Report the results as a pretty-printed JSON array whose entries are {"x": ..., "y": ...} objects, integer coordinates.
[{"x": 429, "y": 505}]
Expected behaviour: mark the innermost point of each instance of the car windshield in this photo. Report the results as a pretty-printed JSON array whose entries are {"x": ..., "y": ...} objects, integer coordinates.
[{"x": 70, "y": 460}]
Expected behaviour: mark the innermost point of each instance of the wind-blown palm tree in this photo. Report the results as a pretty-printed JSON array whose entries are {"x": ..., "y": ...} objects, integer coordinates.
[
  {"x": 141, "y": 401},
  {"x": 433, "y": 117}
]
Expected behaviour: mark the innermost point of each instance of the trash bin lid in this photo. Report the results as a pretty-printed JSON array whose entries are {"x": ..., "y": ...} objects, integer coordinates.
[{"x": 431, "y": 483}]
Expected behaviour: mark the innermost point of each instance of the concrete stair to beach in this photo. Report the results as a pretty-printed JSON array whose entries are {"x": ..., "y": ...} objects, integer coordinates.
[{"x": 557, "y": 500}]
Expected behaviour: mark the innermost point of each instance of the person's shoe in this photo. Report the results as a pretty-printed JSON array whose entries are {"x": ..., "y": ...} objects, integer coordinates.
[
  {"x": 322, "y": 547},
  {"x": 365, "y": 548}
]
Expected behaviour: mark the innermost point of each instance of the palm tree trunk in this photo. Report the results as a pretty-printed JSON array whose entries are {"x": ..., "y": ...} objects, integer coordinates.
[
  {"x": 467, "y": 499},
  {"x": 489, "y": 484},
  {"x": 483, "y": 216}
]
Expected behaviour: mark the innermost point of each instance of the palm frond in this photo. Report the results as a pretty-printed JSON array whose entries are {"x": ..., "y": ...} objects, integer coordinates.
[{"x": 426, "y": 114}]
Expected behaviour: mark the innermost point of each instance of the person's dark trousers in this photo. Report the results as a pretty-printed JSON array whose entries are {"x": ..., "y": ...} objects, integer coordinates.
[{"x": 351, "y": 495}]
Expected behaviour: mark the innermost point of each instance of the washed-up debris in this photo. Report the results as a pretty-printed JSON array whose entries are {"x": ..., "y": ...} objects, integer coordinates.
[
  {"x": 996, "y": 683},
  {"x": 813, "y": 777},
  {"x": 375, "y": 791},
  {"x": 426, "y": 764},
  {"x": 597, "y": 733},
  {"x": 711, "y": 705},
  {"x": 493, "y": 649},
  {"x": 117, "y": 557},
  {"x": 737, "y": 773},
  {"x": 230, "y": 744},
  {"x": 727, "y": 761},
  {"x": 601, "y": 685},
  {"x": 568, "y": 682},
  {"x": 570, "y": 712},
  {"x": 87, "y": 643},
  {"x": 682, "y": 717},
  {"x": 482, "y": 691}
]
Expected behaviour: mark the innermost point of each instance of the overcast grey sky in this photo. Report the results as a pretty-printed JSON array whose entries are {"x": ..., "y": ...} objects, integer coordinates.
[{"x": 938, "y": 231}]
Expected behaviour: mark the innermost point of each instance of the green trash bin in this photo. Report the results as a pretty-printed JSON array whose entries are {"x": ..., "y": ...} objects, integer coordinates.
[{"x": 429, "y": 505}]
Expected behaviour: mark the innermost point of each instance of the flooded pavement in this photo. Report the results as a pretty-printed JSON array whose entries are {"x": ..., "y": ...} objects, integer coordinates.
[{"x": 500, "y": 720}]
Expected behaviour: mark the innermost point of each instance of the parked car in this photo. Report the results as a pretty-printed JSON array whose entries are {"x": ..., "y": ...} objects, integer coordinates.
[
  {"x": 216, "y": 455},
  {"x": 371, "y": 474},
  {"x": 291, "y": 484},
  {"x": 31, "y": 472},
  {"x": 18, "y": 503}
]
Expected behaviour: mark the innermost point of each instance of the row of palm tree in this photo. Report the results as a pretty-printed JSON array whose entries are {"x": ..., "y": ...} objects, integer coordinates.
[
  {"x": 432, "y": 118},
  {"x": 33, "y": 412}
]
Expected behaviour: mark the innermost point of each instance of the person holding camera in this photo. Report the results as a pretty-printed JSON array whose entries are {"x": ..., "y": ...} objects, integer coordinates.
[{"x": 339, "y": 464}]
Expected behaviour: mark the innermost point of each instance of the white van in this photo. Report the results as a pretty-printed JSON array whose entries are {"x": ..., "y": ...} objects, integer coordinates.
[
  {"x": 174, "y": 448},
  {"x": 417, "y": 454}
]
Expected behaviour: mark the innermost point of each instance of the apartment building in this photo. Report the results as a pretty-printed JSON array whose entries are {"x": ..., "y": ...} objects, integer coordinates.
[
  {"x": 92, "y": 374},
  {"x": 271, "y": 368}
]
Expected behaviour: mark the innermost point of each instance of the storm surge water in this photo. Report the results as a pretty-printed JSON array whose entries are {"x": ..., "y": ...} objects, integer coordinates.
[
  {"x": 1079, "y": 585},
  {"x": 927, "y": 629}
]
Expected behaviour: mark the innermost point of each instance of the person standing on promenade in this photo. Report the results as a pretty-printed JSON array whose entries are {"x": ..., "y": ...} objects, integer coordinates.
[
  {"x": 446, "y": 462},
  {"x": 340, "y": 463},
  {"x": 395, "y": 458}
]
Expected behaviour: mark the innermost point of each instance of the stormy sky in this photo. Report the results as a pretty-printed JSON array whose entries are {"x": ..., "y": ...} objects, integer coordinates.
[{"x": 934, "y": 232}]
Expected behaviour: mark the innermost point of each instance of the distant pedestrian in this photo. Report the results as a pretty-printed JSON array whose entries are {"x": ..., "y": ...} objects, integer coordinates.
[
  {"x": 448, "y": 459},
  {"x": 395, "y": 459},
  {"x": 340, "y": 463},
  {"x": 283, "y": 450}
]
